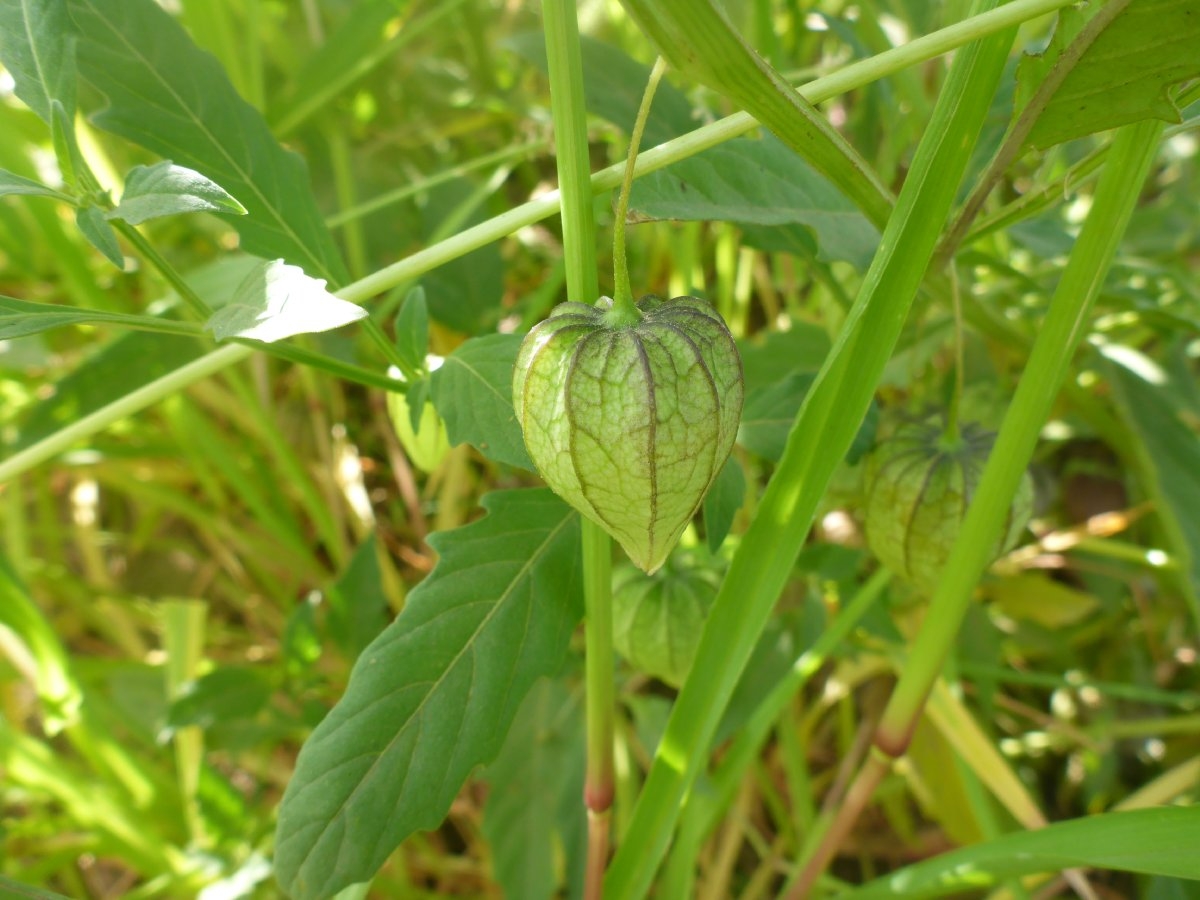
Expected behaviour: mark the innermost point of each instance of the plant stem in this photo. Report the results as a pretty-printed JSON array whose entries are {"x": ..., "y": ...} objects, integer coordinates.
[
  {"x": 599, "y": 786},
  {"x": 1116, "y": 195},
  {"x": 579, "y": 246},
  {"x": 623, "y": 304}
]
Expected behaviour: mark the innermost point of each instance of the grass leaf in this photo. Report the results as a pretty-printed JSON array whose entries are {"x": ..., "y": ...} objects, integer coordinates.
[{"x": 1152, "y": 841}]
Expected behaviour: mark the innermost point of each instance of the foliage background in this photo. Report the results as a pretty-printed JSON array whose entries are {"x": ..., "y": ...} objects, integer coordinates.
[{"x": 184, "y": 594}]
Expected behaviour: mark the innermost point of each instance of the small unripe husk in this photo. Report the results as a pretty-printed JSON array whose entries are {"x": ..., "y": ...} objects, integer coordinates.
[{"x": 919, "y": 484}]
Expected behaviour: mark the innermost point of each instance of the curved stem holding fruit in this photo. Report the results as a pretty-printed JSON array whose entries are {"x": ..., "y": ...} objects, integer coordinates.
[{"x": 624, "y": 311}]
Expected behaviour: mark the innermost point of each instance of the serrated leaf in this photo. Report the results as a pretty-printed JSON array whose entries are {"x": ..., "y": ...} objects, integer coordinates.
[
  {"x": 165, "y": 189},
  {"x": 172, "y": 98},
  {"x": 35, "y": 47},
  {"x": 434, "y": 695},
  {"x": 722, "y": 502},
  {"x": 540, "y": 764},
  {"x": 12, "y": 183},
  {"x": 1122, "y": 76},
  {"x": 100, "y": 234},
  {"x": 758, "y": 183},
  {"x": 1151, "y": 841},
  {"x": 277, "y": 301},
  {"x": 473, "y": 393}
]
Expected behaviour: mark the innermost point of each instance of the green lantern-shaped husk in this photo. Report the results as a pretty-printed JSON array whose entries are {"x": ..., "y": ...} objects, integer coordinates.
[
  {"x": 657, "y": 621},
  {"x": 631, "y": 422},
  {"x": 919, "y": 484}
]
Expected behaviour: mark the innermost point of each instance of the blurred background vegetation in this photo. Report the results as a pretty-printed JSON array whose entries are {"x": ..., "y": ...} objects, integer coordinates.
[{"x": 182, "y": 597}]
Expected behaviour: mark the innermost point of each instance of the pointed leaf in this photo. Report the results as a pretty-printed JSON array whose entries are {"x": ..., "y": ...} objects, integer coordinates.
[
  {"x": 170, "y": 97},
  {"x": 758, "y": 183},
  {"x": 1124, "y": 73},
  {"x": 1151, "y": 841},
  {"x": 412, "y": 330},
  {"x": 165, "y": 189},
  {"x": 434, "y": 695},
  {"x": 12, "y": 183},
  {"x": 277, "y": 301},
  {"x": 100, "y": 234},
  {"x": 473, "y": 393},
  {"x": 23, "y": 317},
  {"x": 35, "y": 47}
]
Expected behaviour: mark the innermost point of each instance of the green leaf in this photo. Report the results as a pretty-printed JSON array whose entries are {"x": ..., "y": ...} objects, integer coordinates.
[
  {"x": 277, "y": 301},
  {"x": 613, "y": 84},
  {"x": 170, "y": 97},
  {"x": 35, "y": 47},
  {"x": 770, "y": 411},
  {"x": 540, "y": 764},
  {"x": 465, "y": 292},
  {"x": 473, "y": 393},
  {"x": 165, "y": 189},
  {"x": 221, "y": 697},
  {"x": 771, "y": 357},
  {"x": 435, "y": 694},
  {"x": 358, "y": 605},
  {"x": 21, "y": 891},
  {"x": 100, "y": 234},
  {"x": 758, "y": 183},
  {"x": 12, "y": 183},
  {"x": 1168, "y": 453},
  {"x": 412, "y": 330},
  {"x": 722, "y": 503},
  {"x": 1123, "y": 75},
  {"x": 19, "y": 318},
  {"x": 1150, "y": 841}
]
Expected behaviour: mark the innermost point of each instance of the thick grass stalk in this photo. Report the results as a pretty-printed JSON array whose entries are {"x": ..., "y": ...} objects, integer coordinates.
[
  {"x": 819, "y": 439},
  {"x": 849, "y": 78},
  {"x": 579, "y": 247},
  {"x": 1113, "y": 203}
]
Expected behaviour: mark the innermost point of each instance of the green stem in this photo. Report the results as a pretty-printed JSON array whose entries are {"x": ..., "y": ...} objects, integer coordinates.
[
  {"x": 1116, "y": 195},
  {"x": 623, "y": 305},
  {"x": 579, "y": 247},
  {"x": 164, "y": 268}
]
